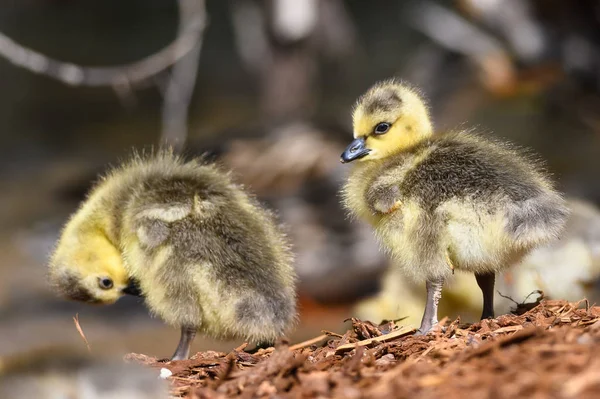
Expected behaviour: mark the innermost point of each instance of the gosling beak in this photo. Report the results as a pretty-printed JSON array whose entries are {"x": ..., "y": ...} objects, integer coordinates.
[
  {"x": 355, "y": 150},
  {"x": 132, "y": 288}
]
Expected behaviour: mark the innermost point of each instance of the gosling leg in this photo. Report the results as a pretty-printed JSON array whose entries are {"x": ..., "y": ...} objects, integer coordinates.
[
  {"x": 434, "y": 294},
  {"x": 185, "y": 342},
  {"x": 486, "y": 282}
]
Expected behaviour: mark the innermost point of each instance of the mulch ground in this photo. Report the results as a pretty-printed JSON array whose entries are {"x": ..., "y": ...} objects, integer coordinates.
[{"x": 549, "y": 351}]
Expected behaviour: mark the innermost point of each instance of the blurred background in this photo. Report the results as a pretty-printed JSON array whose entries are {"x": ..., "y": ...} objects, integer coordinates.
[{"x": 266, "y": 88}]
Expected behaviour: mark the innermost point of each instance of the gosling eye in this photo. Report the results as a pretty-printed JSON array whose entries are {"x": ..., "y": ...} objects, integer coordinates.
[
  {"x": 105, "y": 283},
  {"x": 382, "y": 128}
]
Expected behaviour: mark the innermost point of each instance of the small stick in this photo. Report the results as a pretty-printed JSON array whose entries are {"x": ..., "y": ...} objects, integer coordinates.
[
  {"x": 382, "y": 338},
  {"x": 331, "y": 333},
  {"x": 309, "y": 342},
  {"x": 425, "y": 353},
  {"x": 509, "y": 298},
  {"x": 507, "y": 329},
  {"x": 241, "y": 347},
  {"x": 539, "y": 292},
  {"x": 78, "y": 327}
]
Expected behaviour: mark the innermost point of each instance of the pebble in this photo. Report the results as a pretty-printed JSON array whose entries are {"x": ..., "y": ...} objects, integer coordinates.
[{"x": 165, "y": 373}]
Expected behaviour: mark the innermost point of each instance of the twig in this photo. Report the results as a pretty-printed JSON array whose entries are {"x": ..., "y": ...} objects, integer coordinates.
[
  {"x": 453, "y": 32},
  {"x": 506, "y": 329},
  {"x": 383, "y": 338},
  {"x": 309, "y": 342},
  {"x": 509, "y": 298},
  {"x": 78, "y": 75},
  {"x": 183, "y": 55},
  {"x": 241, "y": 347},
  {"x": 78, "y": 327},
  {"x": 539, "y": 292},
  {"x": 250, "y": 36},
  {"x": 425, "y": 353},
  {"x": 519, "y": 336},
  {"x": 180, "y": 86},
  {"x": 332, "y": 334}
]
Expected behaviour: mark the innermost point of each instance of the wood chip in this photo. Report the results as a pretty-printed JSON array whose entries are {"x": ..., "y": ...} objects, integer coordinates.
[{"x": 547, "y": 352}]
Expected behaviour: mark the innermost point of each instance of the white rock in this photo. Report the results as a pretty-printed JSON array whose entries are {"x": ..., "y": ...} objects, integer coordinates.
[{"x": 165, "y": 373}]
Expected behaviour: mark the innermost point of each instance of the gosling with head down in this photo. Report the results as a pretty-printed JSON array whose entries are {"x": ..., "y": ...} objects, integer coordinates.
[
  {"x": 203, "y": 253},
  {"x": 446, "y": 202}
]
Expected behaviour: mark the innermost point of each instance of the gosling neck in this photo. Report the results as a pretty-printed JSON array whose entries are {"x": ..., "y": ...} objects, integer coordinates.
[{"x": 98, "y": 214}]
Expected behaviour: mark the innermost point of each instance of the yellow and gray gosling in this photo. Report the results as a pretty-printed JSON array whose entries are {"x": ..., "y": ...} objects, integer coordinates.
[
  {"x": 444, "y": 202},
  {"x": 203, "y": 253}
]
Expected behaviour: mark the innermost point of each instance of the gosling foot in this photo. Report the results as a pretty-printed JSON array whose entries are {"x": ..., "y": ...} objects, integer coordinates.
[
  {"x": 185, "y": 343},
  {"x": 433, "y": 329},
  {"x": 434, "y": 294}
]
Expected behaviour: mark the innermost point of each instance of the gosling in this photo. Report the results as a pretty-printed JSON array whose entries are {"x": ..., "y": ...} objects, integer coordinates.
[
  {"x": 202, "y": 252},
  {"x": 440, "y": 203}
]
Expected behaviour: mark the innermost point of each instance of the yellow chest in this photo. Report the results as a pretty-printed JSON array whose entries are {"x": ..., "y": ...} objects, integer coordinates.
[
  {"x": 354, "y": 193},
  {"x": 368, "y": 174}
]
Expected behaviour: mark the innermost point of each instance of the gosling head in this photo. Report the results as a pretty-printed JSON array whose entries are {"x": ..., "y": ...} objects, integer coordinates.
[
  {"x": 387, "y": 119},
  {"x": 88, "y": 268}
]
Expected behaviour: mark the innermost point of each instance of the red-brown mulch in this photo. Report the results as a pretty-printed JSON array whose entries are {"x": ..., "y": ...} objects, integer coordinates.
[{"x": 552, "y": 350}]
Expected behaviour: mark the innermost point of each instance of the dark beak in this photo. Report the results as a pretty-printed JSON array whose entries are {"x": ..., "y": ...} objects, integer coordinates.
[
  {"x": 132, "y": 288},
  {"x": 355, "y": 150}
]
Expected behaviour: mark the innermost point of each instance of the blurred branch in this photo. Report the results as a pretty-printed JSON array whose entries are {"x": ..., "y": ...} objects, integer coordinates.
[
  {"x": 183, "y": 55},
  {"x": 251, "y": 39},
  {"x": 513, "y": 20},
  {"x": 180, "y": 86},
  {"x": 77, "y": 75},
  {"x": 454, "y": 33}
]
